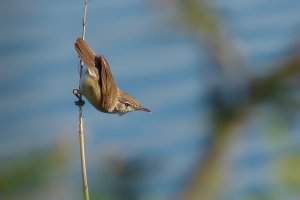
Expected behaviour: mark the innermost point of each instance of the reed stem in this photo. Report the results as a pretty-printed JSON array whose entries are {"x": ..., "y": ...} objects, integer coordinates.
[{"x": 81, "y": 130}]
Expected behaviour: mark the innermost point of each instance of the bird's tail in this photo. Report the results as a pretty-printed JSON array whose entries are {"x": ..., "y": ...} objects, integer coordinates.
[{"x": 85, "y": 52}]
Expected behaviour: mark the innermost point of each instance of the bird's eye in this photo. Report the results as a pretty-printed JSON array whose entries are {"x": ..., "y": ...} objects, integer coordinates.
[{"x": 127, "y": 104}]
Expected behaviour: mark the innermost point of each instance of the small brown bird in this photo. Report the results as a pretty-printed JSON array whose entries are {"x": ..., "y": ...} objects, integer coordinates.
[{"x": 97, "y": 84}]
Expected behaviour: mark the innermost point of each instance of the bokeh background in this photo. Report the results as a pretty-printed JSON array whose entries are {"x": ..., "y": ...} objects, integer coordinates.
[{"x": 221, "y": 77}]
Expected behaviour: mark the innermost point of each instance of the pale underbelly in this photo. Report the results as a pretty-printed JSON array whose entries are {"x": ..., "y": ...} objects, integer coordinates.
[{"x": 89, "y": 88}]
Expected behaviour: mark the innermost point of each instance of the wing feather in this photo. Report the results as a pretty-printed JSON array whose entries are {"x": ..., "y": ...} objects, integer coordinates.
[
  {"x": 107, "y": 83},
  {"x": 85, "y": 52}
]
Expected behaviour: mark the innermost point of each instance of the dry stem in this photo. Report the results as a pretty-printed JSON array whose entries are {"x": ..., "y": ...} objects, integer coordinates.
[{"x": 81, "y": 132}]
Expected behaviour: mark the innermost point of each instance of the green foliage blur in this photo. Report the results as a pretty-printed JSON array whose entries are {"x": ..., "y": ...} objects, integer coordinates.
[{"x": 28, "y": 172}]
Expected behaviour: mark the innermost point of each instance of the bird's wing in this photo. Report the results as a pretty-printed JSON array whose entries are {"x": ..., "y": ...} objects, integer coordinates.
[
  {"x": 107, "y": 84},
  {"x": 85, "y": 52}
]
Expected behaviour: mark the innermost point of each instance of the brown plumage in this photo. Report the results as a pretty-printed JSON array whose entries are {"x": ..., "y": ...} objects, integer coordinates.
[{"x": 98, "y": 84}]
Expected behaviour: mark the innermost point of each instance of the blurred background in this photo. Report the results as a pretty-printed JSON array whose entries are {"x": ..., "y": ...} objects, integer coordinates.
[{"x": 221, "y": 77}]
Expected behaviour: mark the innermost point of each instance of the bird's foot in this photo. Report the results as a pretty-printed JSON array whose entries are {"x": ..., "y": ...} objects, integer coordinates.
[{"x": 79, "y": 102}]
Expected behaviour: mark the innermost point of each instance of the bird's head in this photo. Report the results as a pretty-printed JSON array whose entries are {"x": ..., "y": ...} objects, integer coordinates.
[{"x": 126, "y": 103}]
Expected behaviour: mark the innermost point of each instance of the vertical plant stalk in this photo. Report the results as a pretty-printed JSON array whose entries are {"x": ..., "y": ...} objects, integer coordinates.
[{"x": 81, "y": 132}]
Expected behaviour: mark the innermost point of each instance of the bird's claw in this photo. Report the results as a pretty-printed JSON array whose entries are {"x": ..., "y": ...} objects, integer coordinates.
[{"x": 79, "y": 102}]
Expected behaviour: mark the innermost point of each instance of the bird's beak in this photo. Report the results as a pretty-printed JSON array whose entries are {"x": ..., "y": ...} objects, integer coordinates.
[{"x": 144, "y": 109}]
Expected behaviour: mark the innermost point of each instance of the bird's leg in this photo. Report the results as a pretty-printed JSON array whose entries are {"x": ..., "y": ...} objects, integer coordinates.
[{"x": 79, "y": 102}]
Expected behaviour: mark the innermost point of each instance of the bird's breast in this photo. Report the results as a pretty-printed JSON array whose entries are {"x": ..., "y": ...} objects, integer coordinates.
[{"x": 89, "y": 88}]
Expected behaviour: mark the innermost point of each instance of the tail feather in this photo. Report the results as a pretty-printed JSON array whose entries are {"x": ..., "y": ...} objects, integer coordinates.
[{"x": 85, "y": 52}]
